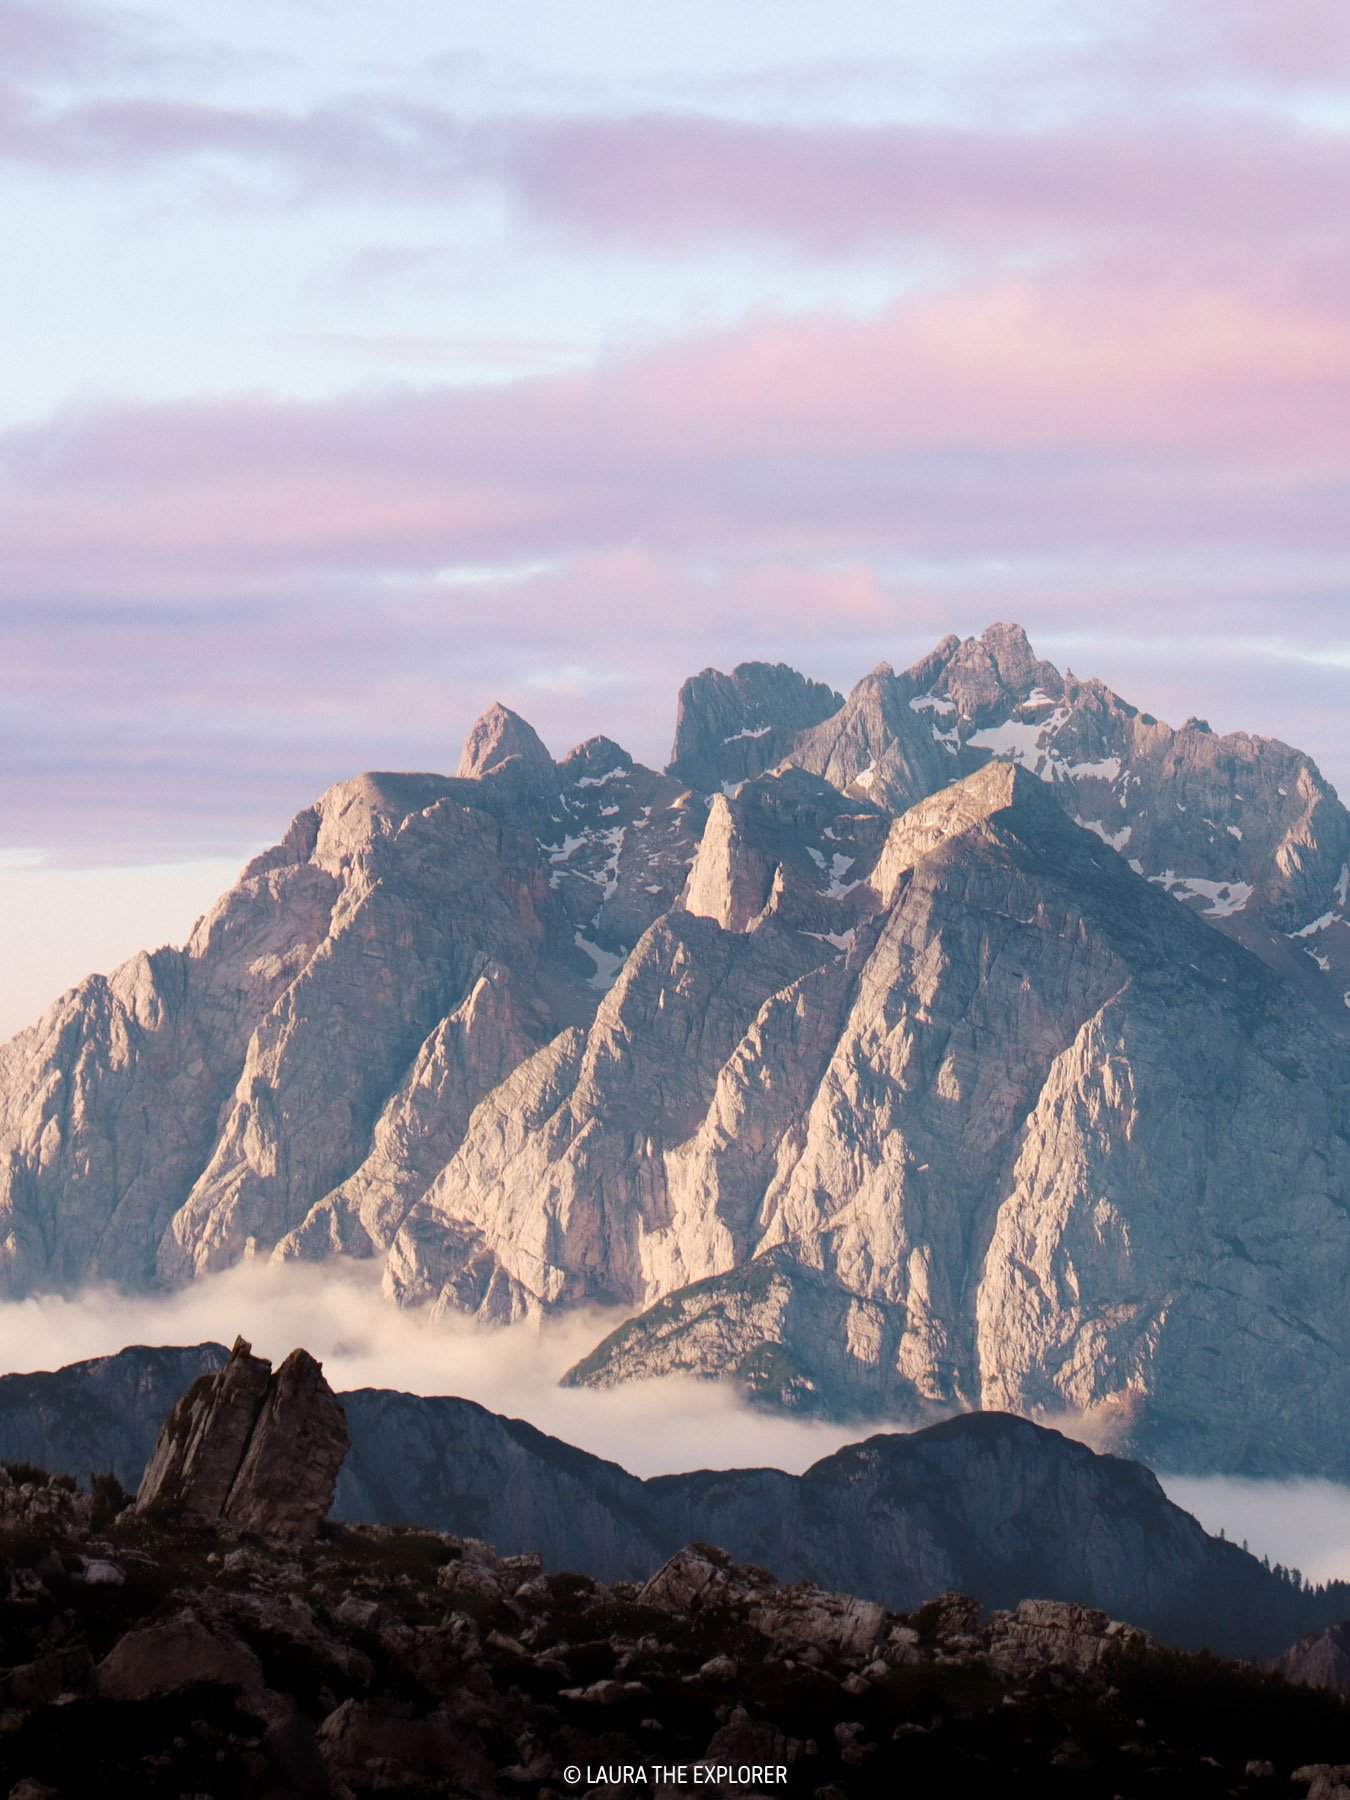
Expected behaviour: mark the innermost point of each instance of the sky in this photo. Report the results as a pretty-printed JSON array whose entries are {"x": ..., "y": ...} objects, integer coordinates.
[{"x": 364, "y": 365}]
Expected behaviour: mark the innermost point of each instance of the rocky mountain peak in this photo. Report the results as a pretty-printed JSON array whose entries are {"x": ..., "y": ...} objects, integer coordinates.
[
  {"x": 997, "y": 790},
  {"x": 1009, "y": 646},
  {"x": 989, "y": 677},
  {"x": 896, "y": 986},
  {"x": 599, "y": 759},
  {"x": 502, "y": 744},
  {"x": 730, "y": 877},
  {"x": 729, "y": 727}
]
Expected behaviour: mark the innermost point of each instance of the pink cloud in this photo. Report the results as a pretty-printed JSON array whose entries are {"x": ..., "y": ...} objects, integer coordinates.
[
  {"x": 1300, "y": 43},
  {"x": 1018, "y": 416}
]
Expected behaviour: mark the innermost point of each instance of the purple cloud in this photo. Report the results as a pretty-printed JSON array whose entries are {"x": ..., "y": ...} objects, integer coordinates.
[
  {"x": 1206, "y": 194},
  {"x": 56, "y": 39}
]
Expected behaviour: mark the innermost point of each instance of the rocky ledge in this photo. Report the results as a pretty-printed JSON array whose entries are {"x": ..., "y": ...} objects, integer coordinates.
[{"x": 185, "y": 1659}]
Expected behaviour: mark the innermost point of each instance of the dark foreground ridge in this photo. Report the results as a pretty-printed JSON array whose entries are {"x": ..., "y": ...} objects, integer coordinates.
[
  {"x": 216, "y": 1639},
  {"x": 985, "y": 1504},
  {"x": 167, "y": 1658}
]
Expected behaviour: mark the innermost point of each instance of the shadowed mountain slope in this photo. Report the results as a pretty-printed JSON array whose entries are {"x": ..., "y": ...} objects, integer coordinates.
[{"x": 986, "y": 1503}]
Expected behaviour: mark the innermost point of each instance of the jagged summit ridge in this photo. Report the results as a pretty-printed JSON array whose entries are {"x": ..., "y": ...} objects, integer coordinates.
[{"x": 894, "y": 998}]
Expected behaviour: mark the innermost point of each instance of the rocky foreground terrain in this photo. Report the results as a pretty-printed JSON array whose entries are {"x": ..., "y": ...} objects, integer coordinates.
[
  {"x": 976, "y": 1040},
  {"x": 165, "y": 1648},
  {"x": 148, "y": 1659}
]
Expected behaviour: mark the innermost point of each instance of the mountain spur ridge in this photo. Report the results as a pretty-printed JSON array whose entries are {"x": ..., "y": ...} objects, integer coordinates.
[{"x": 976, "y": 1040}]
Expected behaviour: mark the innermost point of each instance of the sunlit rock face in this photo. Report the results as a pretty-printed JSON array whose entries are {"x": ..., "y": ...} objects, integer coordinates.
[{"x": 975, "y": 1039}]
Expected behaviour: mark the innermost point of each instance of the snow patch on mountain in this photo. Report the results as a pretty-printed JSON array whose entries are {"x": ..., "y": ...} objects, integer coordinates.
[
  {"x": 836, "y": 868},
  {"x": 1225, "y": 897},
  {"x": 607, "y": 963},
  {"x": 1116, "y": 839}
]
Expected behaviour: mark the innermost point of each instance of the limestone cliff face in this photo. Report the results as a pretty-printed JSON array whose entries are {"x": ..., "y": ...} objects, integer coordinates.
[
  {"x": 730, "y": 727},
  {"x": 1009, "y": 1188},
  {"x": 421, "y": 911},
  {"x": 1002, "y": 1024}
]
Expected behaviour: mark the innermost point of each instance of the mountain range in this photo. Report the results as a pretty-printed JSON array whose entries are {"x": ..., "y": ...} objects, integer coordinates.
[
  {"x": 973, "y": 1041},
  {"x": 986, "y": 1503},
  {"x": 220, "y": 1637}
]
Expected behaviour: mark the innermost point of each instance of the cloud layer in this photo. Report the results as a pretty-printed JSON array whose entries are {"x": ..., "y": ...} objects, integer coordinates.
[
  {"x": 1016, "y": 421},
  {"x": 336, "y": 1313}
]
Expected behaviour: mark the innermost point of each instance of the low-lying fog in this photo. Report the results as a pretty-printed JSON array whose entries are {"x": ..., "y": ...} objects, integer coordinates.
[
  {"x": 657, "y": 1427},
  {"x": 336, "y": 1312}
]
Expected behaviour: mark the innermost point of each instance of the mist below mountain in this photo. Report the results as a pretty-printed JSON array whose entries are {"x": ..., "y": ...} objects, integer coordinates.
[{"x": 655, "y": 1427}]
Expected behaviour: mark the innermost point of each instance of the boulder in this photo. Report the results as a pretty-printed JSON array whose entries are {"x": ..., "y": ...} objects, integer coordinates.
[
  {"x": 46, "y": 1505},
  {"x": 177, "y": 1653},
  {"x": 701, "y": 1575},
  {"x": 1044, "y": 1632},
  {"x": 804, "y": 1617},
  {"x": 1320, "y": 1660},
  {"x": 397, "y": 1739},
  {"x": 1325, "y": 1781},
  {"x": 39, "y": 1683}
]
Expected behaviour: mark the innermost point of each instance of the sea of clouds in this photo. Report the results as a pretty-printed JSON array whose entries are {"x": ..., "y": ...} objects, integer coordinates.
[
  {"x": 335, "y": 1310},
  {"x": 654, "y": 1427}
]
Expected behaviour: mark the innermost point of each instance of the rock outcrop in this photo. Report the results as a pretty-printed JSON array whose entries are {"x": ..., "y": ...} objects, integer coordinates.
[
  {"x": 503, "y": 747},
  {"x": 730, "y": 727},
  {"x": 252, "y": 1449},
  {"x": 1322, "y": 1659},
  {"x": 1002, "y": 1023}
]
